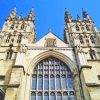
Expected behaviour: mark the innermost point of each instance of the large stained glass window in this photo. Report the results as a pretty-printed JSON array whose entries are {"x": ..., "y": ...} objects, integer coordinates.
[{"x": 52, "y": 80}]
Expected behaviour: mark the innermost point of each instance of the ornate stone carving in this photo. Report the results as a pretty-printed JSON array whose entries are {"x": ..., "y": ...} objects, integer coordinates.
[
  {"x": 92, "y": 53},
  {"x": 50, "y": 42}
]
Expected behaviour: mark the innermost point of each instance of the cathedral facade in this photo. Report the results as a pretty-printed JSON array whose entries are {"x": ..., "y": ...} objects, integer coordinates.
[{"x": 51, "y": 68}]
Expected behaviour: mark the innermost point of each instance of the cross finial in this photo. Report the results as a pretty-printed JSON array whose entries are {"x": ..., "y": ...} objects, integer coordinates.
[{"x": 50, "y": 29}]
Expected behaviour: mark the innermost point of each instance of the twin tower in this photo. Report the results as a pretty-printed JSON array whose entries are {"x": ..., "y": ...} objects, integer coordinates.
[{"x": 51, "y": 68}]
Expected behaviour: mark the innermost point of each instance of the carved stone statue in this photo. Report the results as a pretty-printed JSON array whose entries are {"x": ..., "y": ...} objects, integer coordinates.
[{"x": 92, "y": 53}]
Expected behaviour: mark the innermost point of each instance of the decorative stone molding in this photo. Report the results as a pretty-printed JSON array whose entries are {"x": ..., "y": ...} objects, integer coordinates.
[
  {"x": 50, "y": 42},
  {"x": 84, "y": 66},
  {"x": 92, "y": 84},
  {"x": 93, "y": 60},
  {"x": 19, "y": 66},
  {"x": 13, "y": 85}
]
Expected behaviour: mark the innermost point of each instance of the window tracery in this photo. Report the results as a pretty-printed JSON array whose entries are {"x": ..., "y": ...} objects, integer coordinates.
[{"x": 52, "y": 80}]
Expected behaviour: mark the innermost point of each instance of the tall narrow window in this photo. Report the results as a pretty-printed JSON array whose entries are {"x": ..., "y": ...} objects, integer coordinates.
[
  {"x": 87, "y": 28},
  {"x": 34, "y": 81},
  {"x": 92, "y": 39},
  {"x": 70, "y": 83},
  {"x": 46, "y": 82},
  {"x": 52, "y": 80},
  {"x": 64, "y": 83},
  {"x": 81, "y": 39},
  {"x": 12, "y": 26},
  {"x": 58, "y": 82},
  {"x": 77, "y": 28},
  {"x": 9, "y": 54},
  {"x": 40, "y": 82}
]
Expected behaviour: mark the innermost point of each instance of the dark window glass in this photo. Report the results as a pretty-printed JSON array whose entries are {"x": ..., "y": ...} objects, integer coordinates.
[{"x": 9, "y": 55}]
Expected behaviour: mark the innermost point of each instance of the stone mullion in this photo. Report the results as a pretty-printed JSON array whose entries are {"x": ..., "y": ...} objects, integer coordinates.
[
  {"x": 49, "y": 80},
  {"x": 67, "y": 84},
  {"x": 60, "y": 80},
  {"x": 43, "y": 79},
  {"x": 55, "y": 79}
]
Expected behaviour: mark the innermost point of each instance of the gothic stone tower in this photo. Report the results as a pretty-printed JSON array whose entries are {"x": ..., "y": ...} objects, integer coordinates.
[
  {"x": 14, "y": 32},
  {"x": 85, "y": 40}
]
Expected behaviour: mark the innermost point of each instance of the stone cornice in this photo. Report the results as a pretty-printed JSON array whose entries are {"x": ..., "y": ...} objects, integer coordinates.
[
  {"x": 93, "y": 60},
  {"x": 13, "y": 85},
  {"x": 92, "y": 84}
]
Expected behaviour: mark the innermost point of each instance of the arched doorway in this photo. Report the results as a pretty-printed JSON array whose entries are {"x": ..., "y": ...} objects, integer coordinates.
[{"x": 52, "y": 80}]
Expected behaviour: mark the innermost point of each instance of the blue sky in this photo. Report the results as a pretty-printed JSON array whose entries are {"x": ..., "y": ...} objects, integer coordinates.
[{"x": 50, "y": 13}]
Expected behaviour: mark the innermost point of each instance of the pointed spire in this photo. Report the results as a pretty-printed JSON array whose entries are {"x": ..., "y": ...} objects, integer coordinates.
[
  {"x": 79, "y": 20},
  {"x": 84, "y": 13},
  {"x": 68, "y": 17},
  {"x": 86, "y": 16},
  {"x": 78, "y": 17},
  {"x": 20, "y": 17},
  {"x": 31, "y": 16},
  {"x": 12, "y": 14}
]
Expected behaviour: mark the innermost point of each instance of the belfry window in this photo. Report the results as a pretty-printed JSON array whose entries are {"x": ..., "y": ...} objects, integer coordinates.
[
  {"x": 81, "y": 39},
  {"x": 9, "y": 54},
  {"x": 92, "y": 39},
  {"x": 77, "y": 28},
  {"x": 52, "y": 80},
  {"x": 12, "y": 26},
  {"x": 87, "y": 28}
]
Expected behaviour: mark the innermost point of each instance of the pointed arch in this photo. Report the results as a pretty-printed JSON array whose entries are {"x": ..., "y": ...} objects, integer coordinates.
[{"x": 55, "y": 54}]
